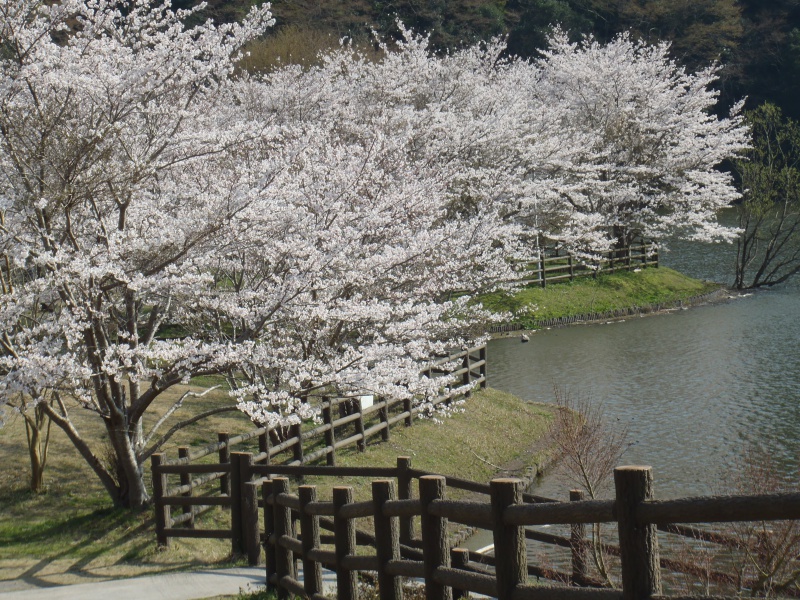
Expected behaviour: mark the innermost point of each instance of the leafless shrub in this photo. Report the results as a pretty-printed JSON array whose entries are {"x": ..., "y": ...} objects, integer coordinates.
[
  {"x": 588, "y": 449},
  {"x": 767, "y": 561}
]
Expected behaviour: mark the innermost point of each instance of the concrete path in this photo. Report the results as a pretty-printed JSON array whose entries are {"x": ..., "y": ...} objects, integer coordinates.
[{"x": 170, "y": 586}]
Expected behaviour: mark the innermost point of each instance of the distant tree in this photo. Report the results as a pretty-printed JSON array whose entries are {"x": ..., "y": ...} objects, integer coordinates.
[
  {"x": 643, "y": 145},
  {"x": 768, "y": 248},
  {"x": 449, "y": 24},
  {"x": 535, "y": 21},
  {"x": 766, "y": 66}
]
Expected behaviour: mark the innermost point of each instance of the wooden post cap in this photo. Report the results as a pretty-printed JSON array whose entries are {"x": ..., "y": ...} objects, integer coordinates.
[{"x": 502, "y": 480}]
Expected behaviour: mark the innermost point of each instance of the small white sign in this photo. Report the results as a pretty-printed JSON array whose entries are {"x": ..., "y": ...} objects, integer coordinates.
[{"x": 366, "y": 401}]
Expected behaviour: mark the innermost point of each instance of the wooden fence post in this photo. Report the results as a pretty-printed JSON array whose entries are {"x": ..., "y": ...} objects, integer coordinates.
[
  {"x": 345, "y": 535},
  {"x": 284, "y": 558},
  {"x": 251, "y": 534},
  {"x": 362, "y": 443},
  {"x": 482, "y": 356},
  {"x": 330, "y": 437},
  {"x": 578, "y": 544},
  {"x": 237, "y": 543},
  {"x": 509, "y": 540},
  {"x": 240, "y": 473},
  {"x": 309, "y": 527},
  {"x": 638, "y": 544},
  {"x": 163, "y": 518},
  {"x": 435, "y": 545},
  {"x": 265, "y": 445},
  {"x": 404, "y": 492},
  {"x": 542, "y": 274},
  {"x": 186, "y": 479},
  {"x": 571, "y": 267},
  {"x": 408, "y": 408},
  {"x": 384, "y": 417},
  {"x": 269, "y": 530},
  {"x": 466, "y": 378},
  {"x": 387, "y": 540},
  {"x": 459, "y": 557},
  {"x": 297, "y": 449},
  {"x": 224, "y": 459}
]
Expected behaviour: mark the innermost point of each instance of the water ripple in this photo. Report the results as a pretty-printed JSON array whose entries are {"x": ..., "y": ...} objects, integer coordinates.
[{"x": 693, "y": 387}]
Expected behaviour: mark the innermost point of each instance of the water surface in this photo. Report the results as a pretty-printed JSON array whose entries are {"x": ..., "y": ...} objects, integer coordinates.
[{"x": 693, "y": 387}]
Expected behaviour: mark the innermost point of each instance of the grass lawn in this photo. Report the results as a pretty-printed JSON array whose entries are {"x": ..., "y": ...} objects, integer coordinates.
[
  {"x": 586, "y": 295},
  {"x": 71, "y": 534},
  {"x": 496, "y": 431}
]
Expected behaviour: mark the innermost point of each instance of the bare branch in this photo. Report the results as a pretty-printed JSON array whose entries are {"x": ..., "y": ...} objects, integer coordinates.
[
  {"x": 178, "y": 426},
  {"x": 172, "y": 410}
]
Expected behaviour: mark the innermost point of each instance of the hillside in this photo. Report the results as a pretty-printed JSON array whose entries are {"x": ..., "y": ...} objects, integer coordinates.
[{"x": 757, "y": 42}]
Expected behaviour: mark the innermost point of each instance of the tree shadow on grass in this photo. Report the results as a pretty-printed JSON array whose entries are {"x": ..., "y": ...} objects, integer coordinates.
[{"x": 93, "y": 546}]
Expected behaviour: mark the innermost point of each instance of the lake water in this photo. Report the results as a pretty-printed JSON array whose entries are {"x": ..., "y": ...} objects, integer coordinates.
[{"x": 693, "y": 387}]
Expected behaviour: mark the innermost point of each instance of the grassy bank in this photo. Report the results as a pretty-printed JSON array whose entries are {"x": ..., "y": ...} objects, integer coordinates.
[
  {"x": 71, "y": 534},
  {"x": 464, "y": 445},
  {"x": 587, "y": 295}
]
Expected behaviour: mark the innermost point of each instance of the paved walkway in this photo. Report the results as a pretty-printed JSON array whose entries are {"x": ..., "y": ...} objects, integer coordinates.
[{"x": 170, "y": 586}]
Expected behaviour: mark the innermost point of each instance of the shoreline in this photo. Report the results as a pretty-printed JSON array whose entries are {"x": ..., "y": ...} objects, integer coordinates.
[{"x": 719, "y": 295}]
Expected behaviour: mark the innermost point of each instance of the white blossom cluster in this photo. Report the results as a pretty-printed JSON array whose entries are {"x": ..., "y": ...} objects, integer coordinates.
[{"x": 307, "y": 231}]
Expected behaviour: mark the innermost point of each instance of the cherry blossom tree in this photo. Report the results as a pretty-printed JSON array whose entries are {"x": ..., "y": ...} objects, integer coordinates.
[
  {"x": 645, "y": 146},
  {"x": 309, "y": 231},
  {"x": 299, "y": 243},
  {"x": 107, "y": 112}
]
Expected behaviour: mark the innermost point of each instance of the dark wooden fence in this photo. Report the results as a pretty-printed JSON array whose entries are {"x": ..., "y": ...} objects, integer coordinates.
[
  {"x": 209, "y": 476},
  {"x": 452, "y": 572},
  {"x": 553, "y": 266}
]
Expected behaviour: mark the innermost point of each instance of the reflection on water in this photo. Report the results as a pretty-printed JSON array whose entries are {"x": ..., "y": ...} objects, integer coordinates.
[{"x": 692, "y": 386}]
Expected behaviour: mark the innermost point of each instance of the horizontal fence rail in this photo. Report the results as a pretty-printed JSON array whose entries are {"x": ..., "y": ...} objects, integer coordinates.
[
  {"x": 293, "y": 523},
  {"x": 553, "y": 266},
  {"x": 347, "y": 422}
]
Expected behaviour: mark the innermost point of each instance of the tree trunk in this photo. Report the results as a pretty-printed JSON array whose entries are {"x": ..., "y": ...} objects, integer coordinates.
[
  {"x": 129, "y": 474},
  {"x": 118, "y": 470},
  {"x": 623, "y": 237},
  {"x": 37, "y": 429}
]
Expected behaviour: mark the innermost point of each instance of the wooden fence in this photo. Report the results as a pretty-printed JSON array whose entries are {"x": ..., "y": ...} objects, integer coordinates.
[
  {"x": 451, "y": 572},
  {"x": 553, "y": 266},
  {"x": 202, "y": 485}
]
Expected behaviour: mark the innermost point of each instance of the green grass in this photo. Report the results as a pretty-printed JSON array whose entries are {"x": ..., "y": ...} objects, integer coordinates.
[
  {"x": 496, "y": 430},
  {"x": 71, "y": 534},
  {"x": 587, "y": 295}
]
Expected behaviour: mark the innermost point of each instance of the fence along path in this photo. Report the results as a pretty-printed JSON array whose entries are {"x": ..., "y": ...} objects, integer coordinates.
[
  {"x": 552, "y": 266},
  {"x": 203, "y": 485},
  {"x": 450, "y": 572}
]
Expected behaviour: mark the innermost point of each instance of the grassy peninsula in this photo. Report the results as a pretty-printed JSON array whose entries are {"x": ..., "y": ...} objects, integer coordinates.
[{"x": 587, "y": 295}]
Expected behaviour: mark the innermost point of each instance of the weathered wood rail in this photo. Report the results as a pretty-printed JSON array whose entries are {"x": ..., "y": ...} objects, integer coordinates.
[
  {"x": 202, "y": 485},
  {"x": 554, "y": 266},
  {"x": 451, "y": 572}
]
